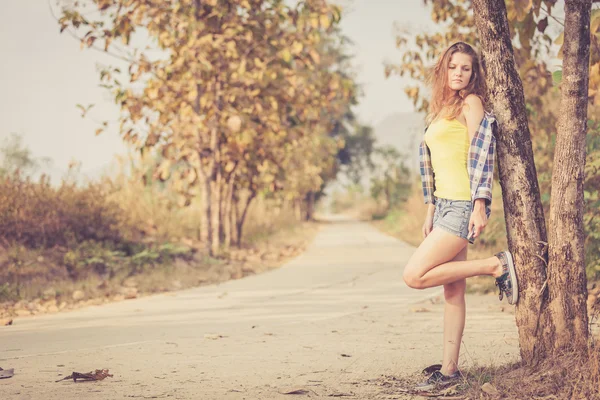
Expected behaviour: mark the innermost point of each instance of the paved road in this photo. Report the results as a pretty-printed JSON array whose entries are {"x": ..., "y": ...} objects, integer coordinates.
[{"x": 331, "y": 322}]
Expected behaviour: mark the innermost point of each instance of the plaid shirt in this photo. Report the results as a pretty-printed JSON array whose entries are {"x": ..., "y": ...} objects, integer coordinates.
[{"x": 480, "y": 165}]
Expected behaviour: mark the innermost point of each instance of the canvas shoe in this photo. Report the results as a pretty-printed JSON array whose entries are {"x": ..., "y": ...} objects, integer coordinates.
[{"x": 507, "y": 282}]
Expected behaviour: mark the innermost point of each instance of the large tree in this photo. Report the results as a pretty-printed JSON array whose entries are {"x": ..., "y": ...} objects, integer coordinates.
[
  {"x": 566, "y": 258},
  {"x": 239, "y": 90},
  {"x": 523, "y": 210}
]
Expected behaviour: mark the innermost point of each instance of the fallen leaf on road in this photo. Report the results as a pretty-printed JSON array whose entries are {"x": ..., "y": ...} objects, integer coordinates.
[
  {"x": 296, "y": 391},
  {"x": 345, "y": 355},
  {"x": 6, "y": 322},
  {"x": 97, "y": 375},
  {"x": 422, "y": 309},
  {"x": 7, "y": 373},
  {"x": 490, "y": 389},
  {"x": 213, "y": 336},
  {"x": 341, "y": 394}
]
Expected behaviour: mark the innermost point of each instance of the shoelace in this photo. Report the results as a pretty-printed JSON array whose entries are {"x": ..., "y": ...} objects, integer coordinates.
[{"x": 502, "y": 288}]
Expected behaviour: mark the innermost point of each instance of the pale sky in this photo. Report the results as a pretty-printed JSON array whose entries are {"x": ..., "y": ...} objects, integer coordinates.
[{"x": 44, "y": 75}]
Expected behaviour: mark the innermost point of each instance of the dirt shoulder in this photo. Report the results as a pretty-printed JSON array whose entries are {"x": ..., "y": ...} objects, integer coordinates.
[{"x": 55, "y": 293}]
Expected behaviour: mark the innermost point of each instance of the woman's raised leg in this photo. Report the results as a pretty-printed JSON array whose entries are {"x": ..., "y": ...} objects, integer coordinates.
[{"x": 431, "y": 264}]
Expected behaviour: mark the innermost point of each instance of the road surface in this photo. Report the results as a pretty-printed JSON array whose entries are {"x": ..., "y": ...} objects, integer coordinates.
[{"x": 336, "y": 321}]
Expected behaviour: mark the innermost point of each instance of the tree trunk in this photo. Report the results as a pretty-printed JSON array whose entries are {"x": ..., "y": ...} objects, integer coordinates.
[
  {"x": 205, "y": 196},
  {"x": 216, "y": 182},
  {"x": 234, "y": 215},
  {"x": 524, "y": 215},
  {"x": 226, "y": 216},
  {"x": 207, "y": 222},
  {"x": 310, "y": 205},
  {"x": 224, "y": 187},
  {"x": 566, "y": 258},
  {"x": 242, "y": 218}
]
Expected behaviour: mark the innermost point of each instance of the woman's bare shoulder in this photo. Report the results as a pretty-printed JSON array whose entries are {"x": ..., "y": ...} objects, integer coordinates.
[{"x": 473, "y": 101}]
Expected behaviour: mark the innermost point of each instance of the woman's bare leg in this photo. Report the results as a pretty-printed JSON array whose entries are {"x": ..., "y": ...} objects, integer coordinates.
[
  {"x": 431, "y": 264},
  {"x": 454, "y": 319}
]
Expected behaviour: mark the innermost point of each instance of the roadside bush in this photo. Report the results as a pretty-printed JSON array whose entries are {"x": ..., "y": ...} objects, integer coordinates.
[{"x": 37, "y": 215}]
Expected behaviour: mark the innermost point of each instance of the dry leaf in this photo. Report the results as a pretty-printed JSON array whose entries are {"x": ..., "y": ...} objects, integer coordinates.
[
  {"x": 345, "y": 355},
  {"x": 341, "y": 394},
  {"x": 97, "y": 375},
  {"x": 213, "y": 336},
  {"x": 6, "y": 322},
  {"x": 490, "y": 389},
  {"x": 296, "y": 391},
  {"x": 7, "y": 373},
  {"x": 422, "y": 309},
  {"x": 450, "y": 391}
]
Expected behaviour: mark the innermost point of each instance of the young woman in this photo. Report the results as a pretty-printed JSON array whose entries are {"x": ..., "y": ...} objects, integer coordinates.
[{"x": 457, "y": 161}]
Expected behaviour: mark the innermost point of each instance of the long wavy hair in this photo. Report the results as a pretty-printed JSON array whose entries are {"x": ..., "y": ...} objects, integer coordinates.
[{"x": 444, "y": 98}]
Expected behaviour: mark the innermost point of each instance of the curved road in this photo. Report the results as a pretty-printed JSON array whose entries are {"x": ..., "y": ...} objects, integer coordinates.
[{"x": 329, "y": 323}]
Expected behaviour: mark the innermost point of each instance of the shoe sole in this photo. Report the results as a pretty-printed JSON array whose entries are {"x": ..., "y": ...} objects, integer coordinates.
[
  {"x": 436, "y": 386},
  {"x": 513, "y": 278}
]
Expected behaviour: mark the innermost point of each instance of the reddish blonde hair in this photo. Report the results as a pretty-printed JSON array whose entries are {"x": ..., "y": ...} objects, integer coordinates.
[{"x": 442, "y": 97}]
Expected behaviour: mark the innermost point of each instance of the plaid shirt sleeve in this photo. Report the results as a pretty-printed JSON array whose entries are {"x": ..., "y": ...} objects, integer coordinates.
[
  {"x": 484, "y": 190},
  {"x": 481, "y": 160},
  {"x": 426, "y": 173}
]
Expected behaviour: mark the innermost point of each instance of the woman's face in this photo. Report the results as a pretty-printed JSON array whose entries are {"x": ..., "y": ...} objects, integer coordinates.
[{"x": 460, "y": 70}]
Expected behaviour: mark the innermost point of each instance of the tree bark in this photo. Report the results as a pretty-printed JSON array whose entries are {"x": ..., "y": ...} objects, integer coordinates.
[
  {"x": 226, "y": 215},
  {"x": 566, "y": 258},
  {"x": 205, "y": 220},
  {"x": 207, "y": 223},
  {"x": 524, "y": 214},
  {"x": 216, "y": 183},
  {"x": 310, "y": 205},
  {"x": 242, "y": 218},
  {"x": 234, "y": 215}
]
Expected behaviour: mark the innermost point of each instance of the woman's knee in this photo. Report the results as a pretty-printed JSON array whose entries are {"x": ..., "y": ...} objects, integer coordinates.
[
  {"x": 454, "y": 292},
  {"x": 412, "y": 279}
]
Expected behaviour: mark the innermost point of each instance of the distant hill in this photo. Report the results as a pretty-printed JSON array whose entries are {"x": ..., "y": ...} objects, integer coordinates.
[{"x": 402, "y": 130}]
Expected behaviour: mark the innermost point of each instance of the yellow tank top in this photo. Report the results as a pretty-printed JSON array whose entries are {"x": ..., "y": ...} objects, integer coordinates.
[{"x": 448, "y": 142}]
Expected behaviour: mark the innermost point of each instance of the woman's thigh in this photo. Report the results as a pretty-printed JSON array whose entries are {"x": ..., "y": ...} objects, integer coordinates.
[{"x": 438, "y": 248}]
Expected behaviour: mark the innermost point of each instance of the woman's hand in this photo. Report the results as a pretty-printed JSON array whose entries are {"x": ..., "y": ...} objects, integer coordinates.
[
  {"x": 428, "y": 225},
  {"x": 478, "y": 219}
]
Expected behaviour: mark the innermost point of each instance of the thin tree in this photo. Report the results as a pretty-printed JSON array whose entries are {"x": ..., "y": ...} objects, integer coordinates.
[{"x": 566, "y": 257}]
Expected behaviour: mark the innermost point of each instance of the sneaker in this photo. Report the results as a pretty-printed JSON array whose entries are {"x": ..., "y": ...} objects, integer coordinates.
[
  {"x": 507, "y": 282},
  {"x": 438, "y": 380}
]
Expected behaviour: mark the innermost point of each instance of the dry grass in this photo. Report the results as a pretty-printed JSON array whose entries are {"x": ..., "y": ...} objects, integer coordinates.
[
  {"x": 564, "y": 376},
  {"x": 99, "y": 236},
  {"x": 561, "y": 377}
]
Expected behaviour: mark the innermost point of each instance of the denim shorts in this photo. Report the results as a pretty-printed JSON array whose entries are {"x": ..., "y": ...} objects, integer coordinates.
[{"x": 453, "y": 216}]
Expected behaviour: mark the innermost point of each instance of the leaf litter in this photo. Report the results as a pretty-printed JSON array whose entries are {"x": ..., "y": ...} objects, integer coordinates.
[
  {"x": 7, "y": 373},
  {"x": 97, "y": 375}
]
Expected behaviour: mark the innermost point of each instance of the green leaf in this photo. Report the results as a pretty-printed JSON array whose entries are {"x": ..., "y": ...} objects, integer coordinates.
[{"x": 557, "y": 77}]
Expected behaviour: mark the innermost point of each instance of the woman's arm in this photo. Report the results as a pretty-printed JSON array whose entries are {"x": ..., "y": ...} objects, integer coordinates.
[{"x": 473, "y": 112}]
